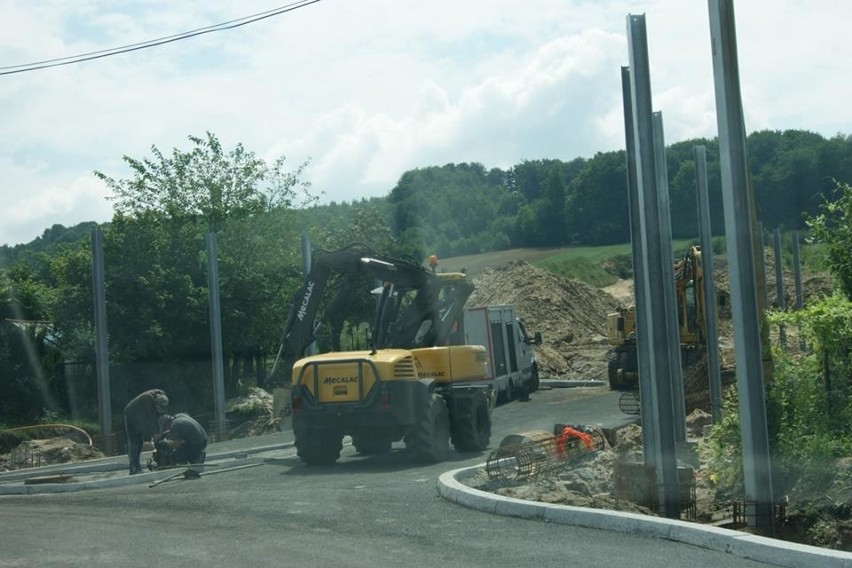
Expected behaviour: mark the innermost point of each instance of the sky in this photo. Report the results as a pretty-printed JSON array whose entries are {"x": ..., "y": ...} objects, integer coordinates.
[{"x": 365, "y": 90}]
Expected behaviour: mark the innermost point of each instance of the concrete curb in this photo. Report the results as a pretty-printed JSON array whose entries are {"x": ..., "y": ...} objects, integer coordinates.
[
  {"x": 570, "y": 383},
  {"x": 741, "y": 545},
  {"x": 111, "y": 464}
]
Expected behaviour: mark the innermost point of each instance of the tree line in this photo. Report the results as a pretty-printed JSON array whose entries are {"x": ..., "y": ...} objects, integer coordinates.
[{"x": 155, "y": 256}]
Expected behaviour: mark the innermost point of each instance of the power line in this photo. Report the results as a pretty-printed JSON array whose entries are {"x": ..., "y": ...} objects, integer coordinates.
[{"x": 229, "y": 25}]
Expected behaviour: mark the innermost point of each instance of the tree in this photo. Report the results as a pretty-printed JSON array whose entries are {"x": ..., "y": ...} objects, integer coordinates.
[
  {"x": 207, "y": 182},
  {"x": 833, "y": 226},
  {"x": 156, "y": 265}
]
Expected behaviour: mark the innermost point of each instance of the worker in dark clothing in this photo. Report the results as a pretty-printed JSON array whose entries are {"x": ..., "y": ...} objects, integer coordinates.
[
  {"x": 142, "y": 422},
  {"x": 186, "y": 437}
]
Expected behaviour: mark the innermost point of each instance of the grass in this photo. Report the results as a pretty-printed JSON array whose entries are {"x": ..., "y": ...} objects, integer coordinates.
[{"x": 598, "y": 266}]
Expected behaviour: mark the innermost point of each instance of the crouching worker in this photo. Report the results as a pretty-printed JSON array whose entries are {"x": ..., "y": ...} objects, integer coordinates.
[{"x": 186, "y": 437}]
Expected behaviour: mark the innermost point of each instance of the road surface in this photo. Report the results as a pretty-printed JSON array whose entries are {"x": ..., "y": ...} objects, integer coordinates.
[{"x": 373, "y": 512}]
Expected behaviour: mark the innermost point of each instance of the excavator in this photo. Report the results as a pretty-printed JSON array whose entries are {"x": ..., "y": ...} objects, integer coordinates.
[
  {"x": 623, "y": 366},
  {"x": 417, "y": 382}
]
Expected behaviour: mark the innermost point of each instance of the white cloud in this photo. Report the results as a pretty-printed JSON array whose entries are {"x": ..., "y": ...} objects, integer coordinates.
[{"x": 372, "y": 88}]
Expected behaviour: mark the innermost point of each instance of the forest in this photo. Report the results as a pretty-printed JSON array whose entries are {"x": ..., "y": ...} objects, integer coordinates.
[{"x": 155, "y": 256}]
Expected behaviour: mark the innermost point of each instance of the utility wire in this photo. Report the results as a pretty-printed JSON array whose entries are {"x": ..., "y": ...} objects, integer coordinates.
[{"x": 229, "y": 25}]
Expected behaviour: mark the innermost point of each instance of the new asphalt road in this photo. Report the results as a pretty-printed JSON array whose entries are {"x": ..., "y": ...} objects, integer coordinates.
[{"x": 380, "y": 511}]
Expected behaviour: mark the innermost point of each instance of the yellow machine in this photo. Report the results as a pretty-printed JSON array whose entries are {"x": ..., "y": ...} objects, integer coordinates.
[
  {"x": 622, "y": 364},
  {"x": 416, "y": 384}
]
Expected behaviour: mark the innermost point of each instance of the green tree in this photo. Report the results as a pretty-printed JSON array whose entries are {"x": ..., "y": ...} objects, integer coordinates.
[
  {"x": 156, "y": 265},
  {"x": 833, "y": 226},
  {"x": 207, "y": 182}
]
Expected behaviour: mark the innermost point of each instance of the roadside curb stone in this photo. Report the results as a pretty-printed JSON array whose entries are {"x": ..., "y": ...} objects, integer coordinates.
[{"x": 742, "y": 545}]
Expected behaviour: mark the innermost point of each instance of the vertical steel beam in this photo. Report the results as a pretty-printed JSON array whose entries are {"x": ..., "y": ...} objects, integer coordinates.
[
  {"x": 780, "y": 300},
  {"x": 714, "y": 364},
  {"x": 216, "y": 334},
  {"x": 673, "y": 335},
  {"x": 779, "y": 271},
  {"x": 739, "y": 224},
  {"x": 797, "y": 271},
  {"x": 646, "y": 395},
  {"x": 655, "y": 267},
  {"x": 101, "y": 341}
]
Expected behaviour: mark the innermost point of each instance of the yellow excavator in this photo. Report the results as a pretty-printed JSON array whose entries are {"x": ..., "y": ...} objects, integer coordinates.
[
  {"x": 415, "y": 383},
  {"x": 622, "y": 362}
]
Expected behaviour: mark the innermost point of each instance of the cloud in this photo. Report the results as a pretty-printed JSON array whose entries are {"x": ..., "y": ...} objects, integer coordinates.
[{"x": 369, "y": 89}]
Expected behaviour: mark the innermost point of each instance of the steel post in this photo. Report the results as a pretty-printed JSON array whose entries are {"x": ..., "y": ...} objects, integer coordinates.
[
  {"x": 656, "y": 329},
  {"x": 646, "y": 395},
  {"x": 216, "y": 334},
  {"x": 739, "y": 225},
  {"x": 101, "y": 341},
  {"x": 714, "y": 363}
]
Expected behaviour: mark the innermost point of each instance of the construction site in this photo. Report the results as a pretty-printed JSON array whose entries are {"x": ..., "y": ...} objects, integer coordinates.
[{"x": 598, "y": 470}]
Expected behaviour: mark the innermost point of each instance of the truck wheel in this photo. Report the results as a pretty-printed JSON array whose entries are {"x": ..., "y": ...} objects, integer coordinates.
[
  {"x": 612, "y": 371},
  {"x": 319, "y": 447},
  {"x": 429, "y": 439},
  {"x": 472, "y": 429},
  {"x": 534, "y": 379},
  {"x": 372, "y": 444}
]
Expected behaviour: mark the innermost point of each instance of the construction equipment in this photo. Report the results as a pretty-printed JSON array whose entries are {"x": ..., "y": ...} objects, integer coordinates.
[
  {"x": 417, "y": 383},
  {"x": 622, "y": 362}
]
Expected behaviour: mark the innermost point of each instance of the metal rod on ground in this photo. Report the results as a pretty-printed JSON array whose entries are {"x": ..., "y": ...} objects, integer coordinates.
[{"x": 185, "y": 473}]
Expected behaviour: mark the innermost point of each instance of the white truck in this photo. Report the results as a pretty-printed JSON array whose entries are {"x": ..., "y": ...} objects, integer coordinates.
[{"x": 511, "y": 359}]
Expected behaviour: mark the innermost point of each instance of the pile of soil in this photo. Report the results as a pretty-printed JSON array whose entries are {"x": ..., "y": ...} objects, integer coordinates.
[
  {"x": 570, "y": 315},
  {"x": 47, "y": 451}
]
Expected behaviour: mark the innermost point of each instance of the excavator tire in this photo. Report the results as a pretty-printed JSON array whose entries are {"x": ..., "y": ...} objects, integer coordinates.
[
  {"x": 429, "y": 439},
  {"x": 372, "y": 444},
  {"x": 319, "y": 447},
  {"x": 471, "y": 430}
]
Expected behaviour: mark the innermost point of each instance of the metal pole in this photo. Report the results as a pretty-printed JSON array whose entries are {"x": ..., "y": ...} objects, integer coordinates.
[
  {"x": 216, "y": 335},
  {"x": 101, "y": 341},
  {"x": 646, "y": 395},
  {"x": 739, "y": 224},
  {"x": 761, "y": 265},
  {"x": 797, "y": 271},
  {"x": 711, "y": 338},
  {"x": 675, "y": 362},
  {"x": 655, "y": 268},
  {"x": 780, "y": 300}
]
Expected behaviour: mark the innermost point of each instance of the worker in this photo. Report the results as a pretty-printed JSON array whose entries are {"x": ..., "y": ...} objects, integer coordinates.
[
  {"x": 142, "y": 423},
  {"x": 186, "y": 437}
]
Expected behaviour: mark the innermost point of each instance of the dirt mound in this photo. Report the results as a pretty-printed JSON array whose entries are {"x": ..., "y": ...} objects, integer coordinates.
[
  {"x": 31, "y": 453},
  {"x": 570, "y": 315}
]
